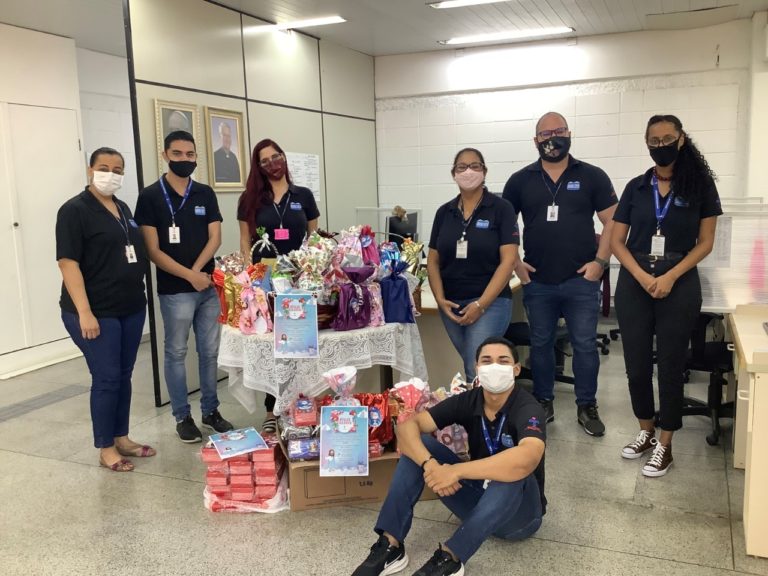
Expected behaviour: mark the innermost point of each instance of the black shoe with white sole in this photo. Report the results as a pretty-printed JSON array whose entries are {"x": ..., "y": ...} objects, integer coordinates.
[
  {"x": 214, "y": 421},
  {"x": 590, "y": 420},
  {"x": 188, "y": 431},
  {"x": 441, "y": 564},
  {"x": 549, "y": 410},
  {"x": 384, "y": 559}
]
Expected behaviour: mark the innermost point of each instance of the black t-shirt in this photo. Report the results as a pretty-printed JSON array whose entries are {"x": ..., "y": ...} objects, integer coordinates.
[
  {"x": 296, "y": 208},
  {"x": 680, "y": 226},
  {"x": 200, "y": 209},
  {"x": 558, "y": 249},
  {"x": 493, "y": 225},
  {"x": 89, "y": 234},
  {"x": 524, "y": 419}
]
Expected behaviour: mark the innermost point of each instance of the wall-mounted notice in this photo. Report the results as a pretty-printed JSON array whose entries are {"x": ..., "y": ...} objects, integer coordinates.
[
  {"x": 720, "y": 257},
  {"x": 305, "y": 171}
]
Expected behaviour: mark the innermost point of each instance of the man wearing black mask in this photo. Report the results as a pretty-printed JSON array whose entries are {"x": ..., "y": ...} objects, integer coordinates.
[
  {"x": 181, "y": 225},
  {"x": 558, "y": 196}
]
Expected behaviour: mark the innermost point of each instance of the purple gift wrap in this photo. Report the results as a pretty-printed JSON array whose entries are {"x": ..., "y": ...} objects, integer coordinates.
[{"x": 354, "y": 300}]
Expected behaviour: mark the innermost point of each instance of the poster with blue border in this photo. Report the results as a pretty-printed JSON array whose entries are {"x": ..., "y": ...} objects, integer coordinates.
[
  {"x": 295, "y": 326},
  {"x": 344, "y": 441}
]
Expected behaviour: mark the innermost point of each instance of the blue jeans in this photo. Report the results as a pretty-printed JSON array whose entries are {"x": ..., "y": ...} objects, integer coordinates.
[
  {"x": 467, "y": 339},
  {"x": 199, "y": 311},
  {"x": 110, "y": 358},
  {"x": 508, "y": 510},
  {"x": 576, "y": 300}
]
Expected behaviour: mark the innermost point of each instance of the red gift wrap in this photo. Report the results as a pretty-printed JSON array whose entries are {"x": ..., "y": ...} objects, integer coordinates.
[
  {"x": 242, "y": 494},
  {"x": 216, "y": 478},
  {"x": 240, "y": 480},
  {"x": 241, "y": 468}
]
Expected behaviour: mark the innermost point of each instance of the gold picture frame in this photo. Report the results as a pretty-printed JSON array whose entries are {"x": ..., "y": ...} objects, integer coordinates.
[
  {"x": 170, "y": 116},
  {"x": 226, "y": 149}
]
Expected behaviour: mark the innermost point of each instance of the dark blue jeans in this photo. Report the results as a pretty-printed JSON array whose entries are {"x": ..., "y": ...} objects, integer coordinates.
[
  {"x": 508, "y": 510},
  {"x": 578, "y": 301},
  {"x": 110, "y": 358}
]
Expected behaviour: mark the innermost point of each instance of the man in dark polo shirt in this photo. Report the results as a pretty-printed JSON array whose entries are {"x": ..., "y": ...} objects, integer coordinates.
[
  {"x": 498, "y": 492},
  {"x": 181, "y": 224},
  {"x": 558, "y": 196}
]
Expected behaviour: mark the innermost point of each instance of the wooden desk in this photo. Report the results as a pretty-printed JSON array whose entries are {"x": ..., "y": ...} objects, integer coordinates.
[
  {"x": 443, "y": 362},
  {"x": 751, "y": 364}
]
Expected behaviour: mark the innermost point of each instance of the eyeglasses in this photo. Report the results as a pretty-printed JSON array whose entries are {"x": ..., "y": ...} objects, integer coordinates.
[
  {"x": 562, "y": 131},
  {"x": 270, "y": 160},
  {"x": 664, "y": 141},
  {"x": 476, "y": 166}
]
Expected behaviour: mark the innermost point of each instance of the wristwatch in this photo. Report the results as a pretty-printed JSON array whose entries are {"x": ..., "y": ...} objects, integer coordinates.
[{"x": 603, "y": 263}]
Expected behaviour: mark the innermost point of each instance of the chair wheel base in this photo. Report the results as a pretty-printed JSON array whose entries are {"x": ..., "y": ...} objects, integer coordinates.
[{"x": 713, "y": 439}]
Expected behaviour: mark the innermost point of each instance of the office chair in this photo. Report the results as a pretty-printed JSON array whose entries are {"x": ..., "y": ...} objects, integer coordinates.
[
  {"x": 519, "y": 333},
  {"x": 397, "y": 229},
  {"x": 716, "y": 358}
]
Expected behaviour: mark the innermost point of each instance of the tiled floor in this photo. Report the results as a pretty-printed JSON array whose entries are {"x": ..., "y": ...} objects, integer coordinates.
[{"x": 62, "y": 514}]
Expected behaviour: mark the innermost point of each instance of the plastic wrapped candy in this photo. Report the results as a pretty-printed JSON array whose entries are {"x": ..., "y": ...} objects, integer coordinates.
[
  {"x": 255, "y": 317},
  {"x": 377, "y": 305},
  {"x": 413, "y": 395},
  {"x": 283, "y": 273},
  {"x": 304, "y": 449},
  {"x": 396, "y": 296},
  {"x": 380, "y": 427},
  {"x": 411, "y": 252},
  {"x": 342, "y": 381},
  {"x": 354, "y": 300},
  {"x": 304, "y": 412},
  {"x": 369, "y": 248},
  {"x": 388, "y": 252}
]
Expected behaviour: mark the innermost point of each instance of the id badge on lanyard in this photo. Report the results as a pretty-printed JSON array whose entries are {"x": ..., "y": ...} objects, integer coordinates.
[
  {"x": 658, "y": 241},
  {"x": 130, "y": 254},
  {"x": 552, "y": 213},
  {"x": 462, "y": 249},
  {"x": 174, "y": 234}
]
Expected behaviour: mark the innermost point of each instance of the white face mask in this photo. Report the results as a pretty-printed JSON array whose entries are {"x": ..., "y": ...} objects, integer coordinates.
[
  {"x": 107, "y": 183},
  {"x": 469, "y": 179},
  {"x": 496, "y": 378}
]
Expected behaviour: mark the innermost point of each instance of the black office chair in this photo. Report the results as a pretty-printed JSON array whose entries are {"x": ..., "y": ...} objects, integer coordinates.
[
  {"x": 711, "y": 356},
  {"x": 519, "y": 333},
  {"x": 400, "y": 228}
]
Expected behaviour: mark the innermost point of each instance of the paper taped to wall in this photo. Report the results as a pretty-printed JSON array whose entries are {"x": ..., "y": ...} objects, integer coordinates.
[{"x": 305, "y": 171}]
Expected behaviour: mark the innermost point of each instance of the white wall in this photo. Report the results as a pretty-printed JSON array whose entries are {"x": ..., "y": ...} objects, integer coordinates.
[
  {"x": 607, "y": 105},
  {"x": 758, "y": 145}
]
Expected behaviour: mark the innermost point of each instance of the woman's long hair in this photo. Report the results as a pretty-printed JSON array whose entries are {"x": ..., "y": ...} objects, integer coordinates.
[
  {"x": 258, "y": 189},
  {"x": 691, "y": 175}
]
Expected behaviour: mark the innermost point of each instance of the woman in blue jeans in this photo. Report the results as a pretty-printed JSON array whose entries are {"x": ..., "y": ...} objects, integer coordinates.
[
  {"x": 472, "y": 253},
  {"x": 102, "y": 260}
]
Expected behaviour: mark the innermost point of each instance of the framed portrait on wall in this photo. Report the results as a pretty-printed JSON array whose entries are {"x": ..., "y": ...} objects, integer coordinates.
[
  {"x": 172, "y": 116},
  {"x": 226, "y": 149}
]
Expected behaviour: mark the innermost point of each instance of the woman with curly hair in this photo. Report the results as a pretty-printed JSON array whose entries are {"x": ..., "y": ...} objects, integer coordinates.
[{"x": 664, "y": 226}]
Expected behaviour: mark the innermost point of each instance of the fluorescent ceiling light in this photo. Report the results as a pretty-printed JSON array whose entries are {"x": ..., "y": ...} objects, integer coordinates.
[
  {"x": 460, "y": 3},
  {"x": 309, "y": 23},
  {"x": 510, "y": 35}
]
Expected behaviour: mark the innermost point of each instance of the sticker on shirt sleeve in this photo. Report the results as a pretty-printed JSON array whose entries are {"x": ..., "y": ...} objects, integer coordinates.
[
  {"x": 199, "y": 210},
  {"x": 485, "y": 224},
  {"x": 533, "y": 424},
  {"x": 132, "y": 222},
  {"x": 573, "y": 185},
  {"x": 296, "y": 206},
  {"x": 506, "y": 441}
]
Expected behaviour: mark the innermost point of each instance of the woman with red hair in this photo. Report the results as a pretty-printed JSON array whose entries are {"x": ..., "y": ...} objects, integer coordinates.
[{"x": 287, "y": 212}]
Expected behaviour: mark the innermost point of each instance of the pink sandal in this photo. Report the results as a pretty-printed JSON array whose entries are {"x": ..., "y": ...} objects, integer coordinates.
[{"x": 143, "y": 451}]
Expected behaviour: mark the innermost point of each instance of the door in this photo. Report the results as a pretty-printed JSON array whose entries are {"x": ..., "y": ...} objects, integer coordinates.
[{"x": 48, "y": 169}]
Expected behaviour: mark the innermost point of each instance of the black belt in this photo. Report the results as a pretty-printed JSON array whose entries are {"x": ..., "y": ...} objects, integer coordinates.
[{"x": 667, "y": 257}]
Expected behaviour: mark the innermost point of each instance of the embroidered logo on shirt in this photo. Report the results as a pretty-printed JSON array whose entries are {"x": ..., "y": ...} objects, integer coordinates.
[
  {"x": 132, "y": 222},
  {"x": 199, "y": 210},
  {"x": 483, "y": 224},
  {"x": 295, "y": 205},
  {"x": 680, "y": 202},
  {"x": 533, "y": 424},
  {"x": 506, "y": 441},
  {"x": 573, "y": 185}
]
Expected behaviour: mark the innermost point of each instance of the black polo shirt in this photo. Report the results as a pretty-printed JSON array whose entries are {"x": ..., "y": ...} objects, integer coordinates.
[
  {"x": 200, "y": 209},
  {"x": 89, "y": 234},
  {"x": 296, "y": 208},
  {"x": 493, "y": 225},
  {"x": 525, "y": 419},
  {"x": 558, "y": 249},
  {"x": 681, "y": 224}
]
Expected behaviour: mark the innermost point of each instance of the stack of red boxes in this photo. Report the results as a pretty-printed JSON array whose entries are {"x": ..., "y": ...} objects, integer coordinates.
[{"x": 247, "y": 478}]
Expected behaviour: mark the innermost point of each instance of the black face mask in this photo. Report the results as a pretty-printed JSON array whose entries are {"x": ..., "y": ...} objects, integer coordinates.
[
  {"x": 665, "y": 155},
  {"x": 554, "y": 149},
  {"x": 182, "y": 168}
]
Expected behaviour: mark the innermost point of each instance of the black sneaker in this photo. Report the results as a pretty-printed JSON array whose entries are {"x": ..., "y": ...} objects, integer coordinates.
[
  {"x": 188, "y": 431},
  {"x": 383, "y": 559},
  {"x": 441, "y": 564},
  {"x": 590, "y": 420},
  {"x": 549, "y": 410},
  {"x": 216, "y": 422}
]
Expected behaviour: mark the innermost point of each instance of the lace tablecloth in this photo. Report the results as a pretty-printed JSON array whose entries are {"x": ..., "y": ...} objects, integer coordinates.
[{"x": 249, "y": 360}]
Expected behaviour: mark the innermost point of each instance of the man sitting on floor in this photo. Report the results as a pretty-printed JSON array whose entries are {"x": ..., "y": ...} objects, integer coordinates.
[{"x": 499, "y": 492}]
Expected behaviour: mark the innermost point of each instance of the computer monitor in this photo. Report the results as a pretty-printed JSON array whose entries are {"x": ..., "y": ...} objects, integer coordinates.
[{"x": 398, "y": 229}]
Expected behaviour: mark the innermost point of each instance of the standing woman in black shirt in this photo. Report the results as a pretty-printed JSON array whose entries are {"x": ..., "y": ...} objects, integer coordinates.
[
  {"x": 664, "y": 226},
  {"x": 286, "y": 211},
  {"x": 102, "y": 259},
  {"x": 472, "y": 253}
]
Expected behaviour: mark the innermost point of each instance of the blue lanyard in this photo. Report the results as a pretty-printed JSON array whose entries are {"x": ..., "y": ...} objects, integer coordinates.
[
  {"x": 493, "y": 446},
  {"x": 168, "y": 200},
  {"x": 661, "y": 213}
]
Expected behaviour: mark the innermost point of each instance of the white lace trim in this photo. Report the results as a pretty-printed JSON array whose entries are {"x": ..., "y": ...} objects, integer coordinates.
[{"x": 250, "y": 363}]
